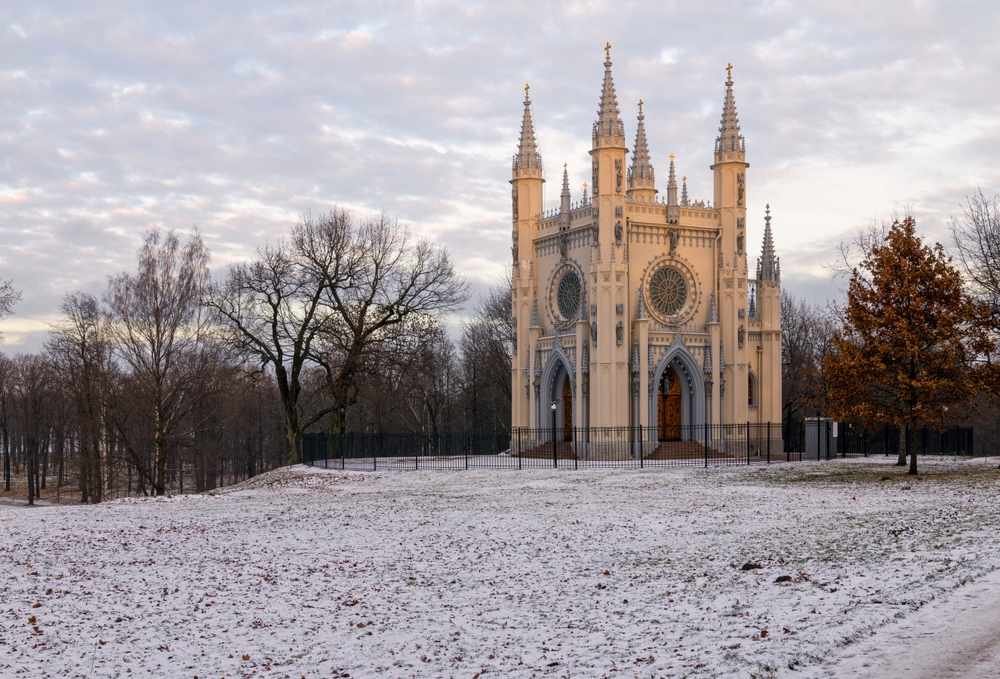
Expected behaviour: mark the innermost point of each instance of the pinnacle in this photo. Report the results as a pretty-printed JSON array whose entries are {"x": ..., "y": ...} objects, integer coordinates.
[
  {"x": 767, "y": 265},
  {"x": 641, "y": 175},
  {"x": 527, "y": 150},
  {"x": 729, "y": 138},
  {"x": 609, "y": 121}
]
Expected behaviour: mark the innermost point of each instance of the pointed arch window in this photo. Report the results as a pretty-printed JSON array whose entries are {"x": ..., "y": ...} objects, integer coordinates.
[{"x": 751, "y": 390}]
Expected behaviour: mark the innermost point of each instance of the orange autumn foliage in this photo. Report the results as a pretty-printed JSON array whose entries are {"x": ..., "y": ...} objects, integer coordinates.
[{"x": 910, "y": 338}]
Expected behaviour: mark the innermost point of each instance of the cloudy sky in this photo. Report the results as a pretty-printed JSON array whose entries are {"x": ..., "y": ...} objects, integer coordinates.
[{"x": 238, "y": 117}]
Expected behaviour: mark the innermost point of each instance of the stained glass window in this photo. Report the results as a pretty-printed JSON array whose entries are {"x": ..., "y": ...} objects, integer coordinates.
[
  {"x": 667, "y": 291},
  {"x": 568, "y": 295}
]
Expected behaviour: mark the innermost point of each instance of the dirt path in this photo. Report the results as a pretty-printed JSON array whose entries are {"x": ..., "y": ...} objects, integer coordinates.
[{"x": 958, "y": 636}]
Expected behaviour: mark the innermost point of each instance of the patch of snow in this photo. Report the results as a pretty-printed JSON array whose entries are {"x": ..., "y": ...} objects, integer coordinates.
[{"x": 308, "y": 572}]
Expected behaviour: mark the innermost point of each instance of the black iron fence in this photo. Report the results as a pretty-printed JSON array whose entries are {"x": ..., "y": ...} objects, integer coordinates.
[{"x": 704, "y": 445}]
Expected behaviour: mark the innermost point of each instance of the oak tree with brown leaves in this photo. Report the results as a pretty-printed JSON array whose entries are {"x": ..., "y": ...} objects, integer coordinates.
[{"x": 909, "y": 340}]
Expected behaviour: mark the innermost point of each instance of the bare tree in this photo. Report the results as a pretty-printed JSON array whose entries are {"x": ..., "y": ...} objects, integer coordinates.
[
  {"x": 976, "y": 240},
  {"x": 486, "y": 360},
  {"x": 81, "y": 355},
  {"x": 31, "y": 386},
  {"x": 159, "y": 332},
  {"x": 336, "y": 294},
  {"x": 271, "y": 310},
  {"x": 6, "y": 386},
  {"x": 379, "y": 281},
  {"x": 806, "y": 336},
  {"x": 8, "y": 298}
]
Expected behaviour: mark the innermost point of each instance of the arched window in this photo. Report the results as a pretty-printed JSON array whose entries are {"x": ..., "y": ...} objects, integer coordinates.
[{"x": 751, "y": 390}]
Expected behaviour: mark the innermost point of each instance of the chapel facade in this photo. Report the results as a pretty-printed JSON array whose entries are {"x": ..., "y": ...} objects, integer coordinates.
[{"x": 630, "y": 307}]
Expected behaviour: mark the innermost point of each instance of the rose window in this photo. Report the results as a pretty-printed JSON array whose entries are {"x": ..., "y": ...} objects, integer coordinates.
[
  {"x": 568, "y": 295},
  {"x": 667, "y": 291}
]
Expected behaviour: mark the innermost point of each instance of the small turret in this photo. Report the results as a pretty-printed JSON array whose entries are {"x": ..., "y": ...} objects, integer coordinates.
[{"x": 684, "y": 193}]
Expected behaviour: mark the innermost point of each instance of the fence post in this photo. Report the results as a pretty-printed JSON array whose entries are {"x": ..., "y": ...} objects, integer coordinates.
[
  {"x": 466, "y": 447},
  {"x": 576, "y": 447},
  {"x": 520, "y": 448},
  {"x": 769, "y": 442},
  {"x": 748, "y": 444},
  {"x": 641, "y": 456}
]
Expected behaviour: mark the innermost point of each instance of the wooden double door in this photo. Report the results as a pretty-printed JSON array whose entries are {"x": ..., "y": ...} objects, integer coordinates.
[{"x": 668, "y": 408}]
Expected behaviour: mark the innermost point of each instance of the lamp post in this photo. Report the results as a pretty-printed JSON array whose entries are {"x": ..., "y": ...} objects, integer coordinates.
[{"x": 555, "y": 456}]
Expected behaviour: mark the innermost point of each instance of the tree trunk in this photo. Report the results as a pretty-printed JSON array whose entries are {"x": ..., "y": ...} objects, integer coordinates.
[
  {"x": 902, "y": 447},
  {"x": 31, "y": 480},
  {"x": 913, "y": 457},
  {"x": 293, "y": 437}
]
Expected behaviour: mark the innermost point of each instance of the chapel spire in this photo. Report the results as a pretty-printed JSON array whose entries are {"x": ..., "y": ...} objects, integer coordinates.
[
  {"x": 609, "y": 122},
  {"x": 729, "y": 138},
  {"x": 527, "y": 157},
  {"x": 641, "y": 177},
  {"x": 684, "y": 191},
  {"x": 768, "y": 266}
]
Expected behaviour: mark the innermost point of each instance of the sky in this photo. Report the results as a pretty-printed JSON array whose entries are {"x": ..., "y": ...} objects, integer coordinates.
[{"x": 236, "y": 118}]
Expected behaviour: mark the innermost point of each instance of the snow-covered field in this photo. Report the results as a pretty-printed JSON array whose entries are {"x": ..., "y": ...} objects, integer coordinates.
[{"x": 600, "y": 573}]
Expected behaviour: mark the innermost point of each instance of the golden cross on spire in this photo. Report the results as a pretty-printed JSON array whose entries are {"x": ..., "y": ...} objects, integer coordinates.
[
  {"x": 526, "y": 88},
  {"x": 671, "y": 157},
  {"x": 684, "y": 178},
  {"x": 729, "y": 71},
  {"x": 585, "y": 186},
  {"x": 640, "y": 107},
  {"x": 564, "y": 165},
  {"x": 607, "y": 50}
]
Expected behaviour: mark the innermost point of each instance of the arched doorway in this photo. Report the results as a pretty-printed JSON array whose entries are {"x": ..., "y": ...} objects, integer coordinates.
[
  {"x": 669, "y": 406},
  {"x": 567, "y": 404}
]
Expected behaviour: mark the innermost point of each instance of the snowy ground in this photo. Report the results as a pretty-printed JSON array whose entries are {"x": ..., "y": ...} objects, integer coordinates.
[{"x": 600, "y": 573}]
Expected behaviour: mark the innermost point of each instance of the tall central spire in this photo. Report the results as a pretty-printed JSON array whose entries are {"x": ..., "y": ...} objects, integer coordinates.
[
  {"x": 609, "y": 122},
  {"x": 729, "y": 138},
  {"x": 527, "y": 151}
]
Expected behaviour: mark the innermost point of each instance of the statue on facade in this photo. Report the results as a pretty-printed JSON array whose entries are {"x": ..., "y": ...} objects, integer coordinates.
[
  {"x": 563, "y": 245},
  {"x": 595, "y": 173},
  {"x": 618, "y": 174},
  {"x": 618, "y": 232},
  {"x": 513, "y": 200},
  {"x": 674, "y": 237},
  {"x": 513, "y": 252},
  {"x": 741, "y": 335},
  {"x": 739, "y": 243},
  {"x": 593, "y": 334},
  {"x": 619, "y": 332}
]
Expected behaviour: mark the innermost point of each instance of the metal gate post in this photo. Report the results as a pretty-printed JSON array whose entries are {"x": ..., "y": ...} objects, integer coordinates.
[
  {"x": 769, "y": 442},
  {"x": 748, "y": 444}
]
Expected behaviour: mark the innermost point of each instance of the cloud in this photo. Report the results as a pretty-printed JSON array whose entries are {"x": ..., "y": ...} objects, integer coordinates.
[{"x": 237, "y": 117}]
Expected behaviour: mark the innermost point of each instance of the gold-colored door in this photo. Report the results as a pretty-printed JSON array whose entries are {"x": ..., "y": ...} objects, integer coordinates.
[
  {"x": 668, "y": 413},
  {"x": 567, "y": 411}
]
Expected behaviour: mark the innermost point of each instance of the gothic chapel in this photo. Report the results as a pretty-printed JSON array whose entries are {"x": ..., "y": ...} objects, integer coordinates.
[{"x": 632, "y": 309}]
